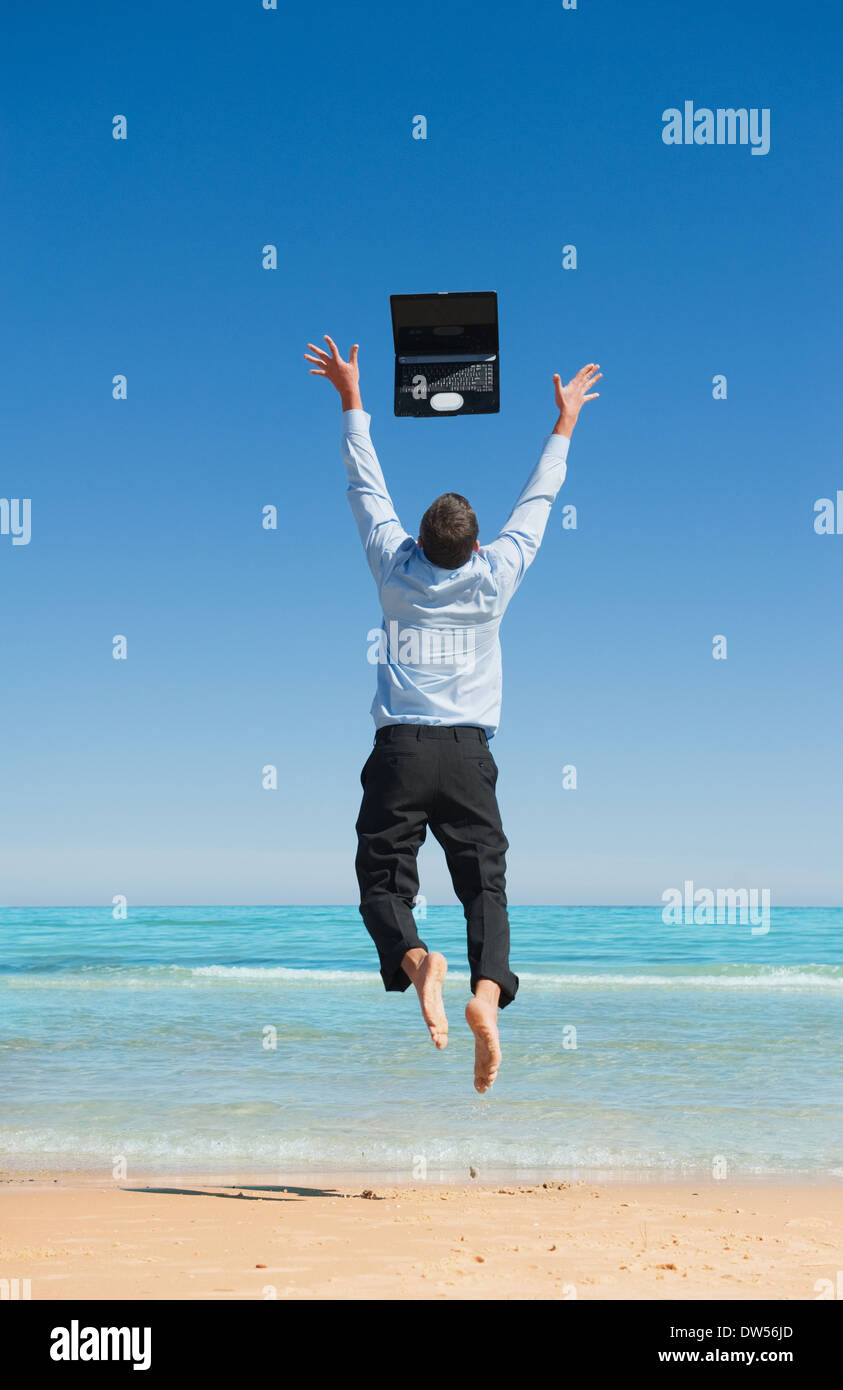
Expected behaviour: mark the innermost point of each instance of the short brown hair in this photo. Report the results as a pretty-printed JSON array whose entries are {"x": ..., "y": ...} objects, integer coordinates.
[{"x": 448, "y": 531}]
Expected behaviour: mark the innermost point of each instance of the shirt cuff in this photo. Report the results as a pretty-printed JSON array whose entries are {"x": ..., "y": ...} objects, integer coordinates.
[
  {"x": 557, "y": 444},
  {"x": 355, "y": 421}
]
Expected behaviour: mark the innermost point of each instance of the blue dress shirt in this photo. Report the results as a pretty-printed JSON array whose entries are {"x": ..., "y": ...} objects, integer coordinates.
[{"x": 437, "y": 651}]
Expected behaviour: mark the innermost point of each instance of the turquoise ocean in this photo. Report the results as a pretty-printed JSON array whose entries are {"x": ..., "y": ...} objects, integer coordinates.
[{"x": 260, "y": 1040}]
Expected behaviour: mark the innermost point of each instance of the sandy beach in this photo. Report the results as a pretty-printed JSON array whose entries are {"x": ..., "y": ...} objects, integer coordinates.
[{"x": 176, "y": 1238}]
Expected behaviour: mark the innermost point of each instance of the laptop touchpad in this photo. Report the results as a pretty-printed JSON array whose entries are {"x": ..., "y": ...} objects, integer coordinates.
[{"x": 446, "y": 400}]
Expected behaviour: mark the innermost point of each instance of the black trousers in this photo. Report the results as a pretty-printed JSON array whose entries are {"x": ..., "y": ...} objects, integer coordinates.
[{"x": 442, "y": 776}]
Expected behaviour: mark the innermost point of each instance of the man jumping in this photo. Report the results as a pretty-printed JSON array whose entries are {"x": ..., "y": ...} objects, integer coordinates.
[{"x": 437, "y": 706}]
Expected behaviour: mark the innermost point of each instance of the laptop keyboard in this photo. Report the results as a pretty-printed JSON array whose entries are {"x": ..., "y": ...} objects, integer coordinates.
[{"x": 466, "y": 376}]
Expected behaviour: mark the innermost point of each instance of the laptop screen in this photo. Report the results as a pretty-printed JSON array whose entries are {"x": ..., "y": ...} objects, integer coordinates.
[{"x": 444, "y": 322}]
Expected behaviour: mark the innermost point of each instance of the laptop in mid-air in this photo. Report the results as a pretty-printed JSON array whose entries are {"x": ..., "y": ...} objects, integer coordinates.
[{"x": 446, "y": 353}]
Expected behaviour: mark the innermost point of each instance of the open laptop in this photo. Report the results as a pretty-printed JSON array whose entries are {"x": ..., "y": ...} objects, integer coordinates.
[{"x": 446, "y": 353}]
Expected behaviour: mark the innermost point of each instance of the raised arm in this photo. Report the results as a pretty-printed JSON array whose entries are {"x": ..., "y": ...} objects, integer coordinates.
[
  {"x": 515, "y": 549},
  {"x": 380, "y": 530}
]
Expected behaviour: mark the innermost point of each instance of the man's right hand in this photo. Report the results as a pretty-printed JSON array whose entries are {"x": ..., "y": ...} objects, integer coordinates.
[
  {"x": 344, "y": 375},
  {"x": 571, "y": 398}
]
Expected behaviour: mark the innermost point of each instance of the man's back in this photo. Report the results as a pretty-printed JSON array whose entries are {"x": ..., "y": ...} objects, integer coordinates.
[{"x": 438, "y": 650}]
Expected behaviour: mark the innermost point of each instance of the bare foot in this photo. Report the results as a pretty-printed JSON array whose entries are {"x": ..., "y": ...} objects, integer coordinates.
[
  {"x": 429, "y": 980},
  {"x": 482, "y": 1018}
]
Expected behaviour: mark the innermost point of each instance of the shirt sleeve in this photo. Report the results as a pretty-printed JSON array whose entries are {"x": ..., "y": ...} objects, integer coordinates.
[
  {"x": 380, "y": 530},
  {"x": 515, "y": 548}
]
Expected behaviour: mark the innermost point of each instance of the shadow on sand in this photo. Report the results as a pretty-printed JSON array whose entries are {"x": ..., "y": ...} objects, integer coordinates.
[{"x": 244, "y": 1191}]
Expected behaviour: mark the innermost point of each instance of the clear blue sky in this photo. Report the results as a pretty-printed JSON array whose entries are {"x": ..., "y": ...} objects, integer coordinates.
[{"x": 247, "y": 647}]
